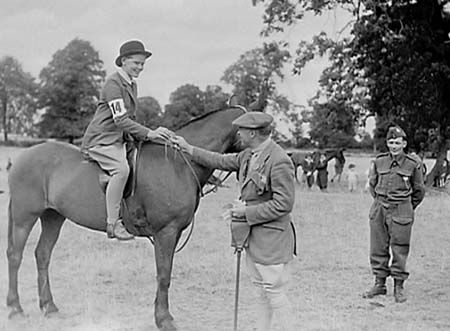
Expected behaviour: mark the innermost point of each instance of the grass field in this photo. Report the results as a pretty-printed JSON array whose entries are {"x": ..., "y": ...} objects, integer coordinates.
[{"x": 105, "y": 285}]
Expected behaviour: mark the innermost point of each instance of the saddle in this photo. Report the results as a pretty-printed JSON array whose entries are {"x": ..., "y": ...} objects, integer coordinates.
[
  {"x": 132, "y": 214},
  {"x": 104, "y": 177}
]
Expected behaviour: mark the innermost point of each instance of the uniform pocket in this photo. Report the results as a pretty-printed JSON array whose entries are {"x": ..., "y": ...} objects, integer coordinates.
[
  {"x": 402, "y": 220},
  {"x": 273, "y": 226},
  {"x": 260, "y": 182}
]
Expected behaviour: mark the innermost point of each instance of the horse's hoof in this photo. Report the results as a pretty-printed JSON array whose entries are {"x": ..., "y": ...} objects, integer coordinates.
[
  {"x": 16, "y": 313},
  {"x": 168, "y": 326},
  {"x": 49, "y": 309}
]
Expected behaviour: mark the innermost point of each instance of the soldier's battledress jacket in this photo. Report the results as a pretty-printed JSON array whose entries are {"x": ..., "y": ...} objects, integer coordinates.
[{"x": 397, "y": 180}]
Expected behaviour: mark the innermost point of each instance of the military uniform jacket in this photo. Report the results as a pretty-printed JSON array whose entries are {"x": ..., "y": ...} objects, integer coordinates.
[
  {"x": 269, "y": 193},
  {"x": 396, "y": 181},
  {"x": 113, "y": 121}
]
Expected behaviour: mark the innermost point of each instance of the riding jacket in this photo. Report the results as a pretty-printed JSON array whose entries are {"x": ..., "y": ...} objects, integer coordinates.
[
  {"x": 114, "y": 119},
  {"x": 268, "y": 190}
]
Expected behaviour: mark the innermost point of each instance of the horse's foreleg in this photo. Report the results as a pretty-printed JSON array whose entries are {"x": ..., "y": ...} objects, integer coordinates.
[
  {"x": 19, "y": 229},
  {"x": 51, "y": 223},
  {"x": 165, "y": 242}
]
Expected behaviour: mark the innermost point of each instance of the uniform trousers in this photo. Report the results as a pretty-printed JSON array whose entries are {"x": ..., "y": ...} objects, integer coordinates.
[
  {"x": 271, "y": 281},
  {"x": 390, "y": 232},
  {"x": 113, "y": 160}
]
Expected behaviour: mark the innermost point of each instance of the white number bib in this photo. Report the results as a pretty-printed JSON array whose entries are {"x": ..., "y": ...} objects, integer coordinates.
[{"x": 117, "y": 107}]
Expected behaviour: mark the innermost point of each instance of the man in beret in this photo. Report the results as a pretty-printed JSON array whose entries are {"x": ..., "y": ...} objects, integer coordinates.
[
  {"x": 114, "y": 125},
  {"x": 266, "y": 180},
  {"x": 396, "y": 184}
]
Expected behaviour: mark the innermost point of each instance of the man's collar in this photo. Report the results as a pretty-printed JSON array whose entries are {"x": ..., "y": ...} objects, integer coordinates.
[
  {"x": 258, "y": 149},
  {"x": 399, "y": 158},
  {"x": 125, "y": 76}
]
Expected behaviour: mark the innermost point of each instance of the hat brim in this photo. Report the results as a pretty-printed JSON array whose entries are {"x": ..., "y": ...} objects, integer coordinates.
[{"x": 119, "y": 58}]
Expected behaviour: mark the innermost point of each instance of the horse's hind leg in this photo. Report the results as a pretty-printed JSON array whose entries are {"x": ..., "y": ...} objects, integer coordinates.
[
  {"x": 19, "y": 229},
  {"x": 51, "y": 223}
]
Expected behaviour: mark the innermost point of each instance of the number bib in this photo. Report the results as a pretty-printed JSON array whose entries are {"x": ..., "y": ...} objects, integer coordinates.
[{"x": 117, "y": 108}]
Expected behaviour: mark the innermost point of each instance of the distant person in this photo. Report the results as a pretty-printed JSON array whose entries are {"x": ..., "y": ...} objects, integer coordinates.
[
  {"x": 267, "y": 188},
  {"x": 367, "y": 173},
  {"x": 396, "y": 185},
  {"x": 322, "y": 172},
  {"x": 8, "y": 164},
  {"x": 339, "y": 162},
  {"x": 352, "y": 178},
  {"x": 113, "y": 129},
  {"x": 308, "y": 170}
]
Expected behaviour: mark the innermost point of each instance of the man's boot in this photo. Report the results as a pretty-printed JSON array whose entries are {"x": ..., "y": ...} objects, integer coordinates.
[
  {"x": 399, "y": 293},
  {"x": 379, "y": 288}
]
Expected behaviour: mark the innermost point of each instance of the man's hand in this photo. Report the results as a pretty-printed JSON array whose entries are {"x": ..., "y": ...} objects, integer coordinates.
[
  {"x": 238, "y": 210},
  {"x": 160, "y": 133},
  {"x": 182, "y": 144}
]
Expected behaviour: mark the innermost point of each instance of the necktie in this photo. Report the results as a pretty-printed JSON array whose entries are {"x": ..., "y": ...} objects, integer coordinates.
[{"x": 247, "y": 166}]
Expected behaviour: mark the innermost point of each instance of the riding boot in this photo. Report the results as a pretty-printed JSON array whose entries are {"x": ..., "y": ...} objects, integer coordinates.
[
  {"x": 399, "y": 293},
  {"x": 118, "y": 231},
  {"x": 379, "y": 288}
]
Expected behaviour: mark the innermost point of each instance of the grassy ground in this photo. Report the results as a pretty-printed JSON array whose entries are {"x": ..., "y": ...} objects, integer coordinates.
[{"x": 105, "y": 285}]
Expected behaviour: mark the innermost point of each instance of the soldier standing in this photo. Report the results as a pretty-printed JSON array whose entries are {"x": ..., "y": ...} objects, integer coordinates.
[{"x": 396, "y": 184}]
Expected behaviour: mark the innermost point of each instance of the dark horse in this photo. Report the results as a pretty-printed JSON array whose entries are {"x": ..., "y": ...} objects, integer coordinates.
[
  {"x": 51, "y": 181},
  {"x": 298, "y": 157}
]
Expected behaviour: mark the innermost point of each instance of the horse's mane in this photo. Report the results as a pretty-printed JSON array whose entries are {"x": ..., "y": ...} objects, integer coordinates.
[{"x": 202, "y": 116}]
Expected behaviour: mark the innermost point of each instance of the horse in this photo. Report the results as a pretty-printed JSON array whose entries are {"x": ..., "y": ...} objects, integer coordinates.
[
  {"x": 297, "y": 159},
  {"x": 53, "y": 182}
]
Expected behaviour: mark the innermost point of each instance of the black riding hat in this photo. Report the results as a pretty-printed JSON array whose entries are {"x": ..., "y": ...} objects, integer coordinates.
[{"x": 131, "y": 47}]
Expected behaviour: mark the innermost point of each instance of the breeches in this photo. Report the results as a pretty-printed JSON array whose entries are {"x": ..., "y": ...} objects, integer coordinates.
[
  {"x": 271, "y": 281},
  {"x": 113, "y": 160},
  {"x": 390, "y": 233}
]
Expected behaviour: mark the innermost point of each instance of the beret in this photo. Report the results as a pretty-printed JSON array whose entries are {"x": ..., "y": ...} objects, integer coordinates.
[
  {"x": 253, "y": 120},
  {"x": 395, "y": 132}
]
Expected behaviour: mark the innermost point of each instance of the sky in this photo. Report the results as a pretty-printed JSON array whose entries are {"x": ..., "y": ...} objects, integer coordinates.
[{"x": 192, "y": 41}]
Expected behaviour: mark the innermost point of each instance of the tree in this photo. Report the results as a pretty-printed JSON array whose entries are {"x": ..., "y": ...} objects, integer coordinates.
[
  {"x": 18, "y": 91},
  {"x": 215, "y": 98},
  {"x": 252, "y": 68},
  {"x": 149, "y": 112},
  {"x": 69, "y": 93},
  {"x": 186, "y": 102},
  {"x": 400, "y": 49},
  {"x": 253, "y": 77}
]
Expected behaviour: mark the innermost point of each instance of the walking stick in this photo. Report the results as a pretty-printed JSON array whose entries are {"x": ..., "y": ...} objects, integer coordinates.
[
  {"x": 236, "y": 293},
  {"x": 239, "y": 234}
]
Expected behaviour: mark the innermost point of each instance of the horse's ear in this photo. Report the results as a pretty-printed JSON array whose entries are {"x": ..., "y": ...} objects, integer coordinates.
[
  {"x": 232, "y": 101},
  {"x": 261, "y": 103}
]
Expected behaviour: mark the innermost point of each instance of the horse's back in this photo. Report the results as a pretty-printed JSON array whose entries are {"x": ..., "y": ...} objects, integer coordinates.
[{"x": 54, "y": 175}]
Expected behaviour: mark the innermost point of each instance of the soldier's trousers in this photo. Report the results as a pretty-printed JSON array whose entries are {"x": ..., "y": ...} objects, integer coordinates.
[{"x": 390, "y": 233}]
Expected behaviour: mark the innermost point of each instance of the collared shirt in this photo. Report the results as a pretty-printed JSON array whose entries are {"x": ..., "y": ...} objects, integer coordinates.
[{"x": 125, "y": 76}]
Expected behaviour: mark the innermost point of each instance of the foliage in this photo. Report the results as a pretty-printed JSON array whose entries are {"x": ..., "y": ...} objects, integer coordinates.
[
  {"x": 69, "y": 90},
  {"x": 188, "y": 102},
  {"x": 18, "y": 91},
  {"x": 396, "y": 58},
  {"x": 149, "y": 112},
  {"x": 252, "y": 68}
]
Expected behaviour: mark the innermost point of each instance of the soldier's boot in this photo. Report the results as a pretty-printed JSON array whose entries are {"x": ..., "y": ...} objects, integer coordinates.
[
  {"x": 379, "y": 288},
  {"x": 399, "y": 293}
]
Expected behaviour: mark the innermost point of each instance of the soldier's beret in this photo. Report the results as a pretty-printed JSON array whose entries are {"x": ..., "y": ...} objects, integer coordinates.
[
  {"x": 253, "y": 120},
  {"x": 395, "y": 132}
]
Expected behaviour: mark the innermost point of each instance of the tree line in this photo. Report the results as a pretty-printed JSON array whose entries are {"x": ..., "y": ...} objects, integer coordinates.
[
  {"x": 62, "y": 101},
  {"x": 391, "y": 61}
]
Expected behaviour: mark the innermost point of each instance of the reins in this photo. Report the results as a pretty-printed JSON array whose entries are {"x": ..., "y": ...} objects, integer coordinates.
[{"x": 166, "y": 144}]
